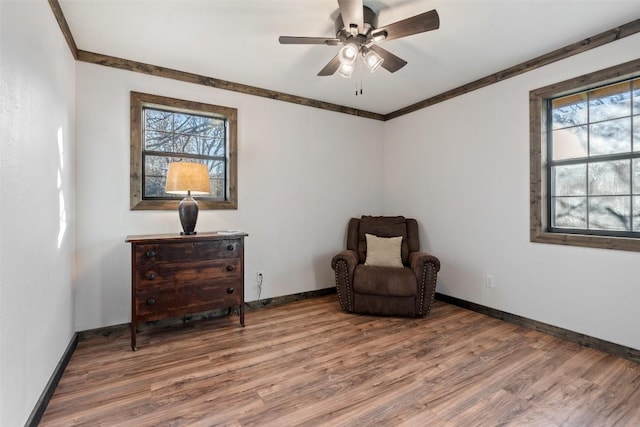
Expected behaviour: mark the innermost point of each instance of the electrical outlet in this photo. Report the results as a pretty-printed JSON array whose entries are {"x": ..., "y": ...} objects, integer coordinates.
[
  {"x": 490, "y": 281},
  {"x": 259, "y": 279}
]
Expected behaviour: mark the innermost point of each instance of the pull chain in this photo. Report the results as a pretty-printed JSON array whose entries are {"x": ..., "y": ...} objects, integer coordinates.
[
  {"x": 360, "y": 69},
  {"x": 359, "y": 65}
]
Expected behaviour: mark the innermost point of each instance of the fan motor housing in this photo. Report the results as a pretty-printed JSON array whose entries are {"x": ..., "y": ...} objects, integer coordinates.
[{"x": 370, "y": 23}]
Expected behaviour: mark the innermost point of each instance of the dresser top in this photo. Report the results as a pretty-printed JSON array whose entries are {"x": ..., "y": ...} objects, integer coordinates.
[{"x": 204, "y": 235}]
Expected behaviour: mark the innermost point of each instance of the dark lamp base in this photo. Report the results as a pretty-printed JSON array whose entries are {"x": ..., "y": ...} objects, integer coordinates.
[
  {"x": 188, "y": 212},
  {"x": 188, "y": 233}
]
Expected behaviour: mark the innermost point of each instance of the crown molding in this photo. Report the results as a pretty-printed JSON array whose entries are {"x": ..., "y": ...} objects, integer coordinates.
[
  {"x": 155, "y": 70},
  {"x": 581, "y": 46},
  {"x": 537, "y": 62}
]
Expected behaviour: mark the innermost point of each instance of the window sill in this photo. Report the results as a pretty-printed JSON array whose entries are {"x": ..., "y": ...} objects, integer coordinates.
[
  {"x": 599, "y": 242},
  {"x": 173, "y": 205}
]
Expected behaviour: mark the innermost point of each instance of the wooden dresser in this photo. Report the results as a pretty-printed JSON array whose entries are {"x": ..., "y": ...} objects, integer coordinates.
[{"x": 174, "y": 275}]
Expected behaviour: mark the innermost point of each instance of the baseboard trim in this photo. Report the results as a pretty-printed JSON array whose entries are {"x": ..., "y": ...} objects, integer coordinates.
[
  {"x": 285, "y": 299},
  {"x": 565, "y": 334},
  {"x": 42, "y": 403},
  {"x": 124, "y": 328}
]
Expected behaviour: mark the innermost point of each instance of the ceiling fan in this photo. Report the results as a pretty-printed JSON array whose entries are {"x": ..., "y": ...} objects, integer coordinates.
[{"x": 358, "y": 33}]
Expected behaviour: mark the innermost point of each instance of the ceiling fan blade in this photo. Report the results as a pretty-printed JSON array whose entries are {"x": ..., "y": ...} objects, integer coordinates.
[
  {"x": 308, "y": 40},
  {"x": 416, "y": 24},
  {"x": 391, "y": 62},
  {"x": 352, "y": 14},
  {"x": 331, "y": 67}
]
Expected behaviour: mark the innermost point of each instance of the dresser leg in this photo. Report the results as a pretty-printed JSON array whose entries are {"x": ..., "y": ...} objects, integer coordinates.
[
  {"x": 133, "y": 336},
  {"x": 242, "y": 314}
]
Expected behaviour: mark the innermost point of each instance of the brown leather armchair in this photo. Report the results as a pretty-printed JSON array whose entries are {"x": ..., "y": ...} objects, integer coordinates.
[{"x": 406, "y": 290}]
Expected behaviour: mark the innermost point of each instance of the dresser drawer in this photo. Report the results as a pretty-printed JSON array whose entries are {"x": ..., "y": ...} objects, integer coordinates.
[
  {"x": 171, "y": 275},
  {"x": 180, "y": 252},
  {"x": 165, "y": 301}
]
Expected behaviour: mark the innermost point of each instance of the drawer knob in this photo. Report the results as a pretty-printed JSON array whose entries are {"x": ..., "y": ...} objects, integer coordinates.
[
  {"x": 151, "y": 254},
  {"x": 230, "y": 290},
  {"x": 151, "y": 275},
  {"x": 229, "y": 267},
  {"x": 229, "y": 247},
  {"x": 151, "y": 301}
]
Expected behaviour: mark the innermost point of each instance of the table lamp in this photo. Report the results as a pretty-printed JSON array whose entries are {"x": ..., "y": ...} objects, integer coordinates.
[{"x": 188, "y": 178}]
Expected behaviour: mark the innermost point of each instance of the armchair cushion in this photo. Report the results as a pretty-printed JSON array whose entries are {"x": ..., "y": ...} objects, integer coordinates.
[
  {"x": 383, "y": 251},
  {"x": 387, "y": 281}
]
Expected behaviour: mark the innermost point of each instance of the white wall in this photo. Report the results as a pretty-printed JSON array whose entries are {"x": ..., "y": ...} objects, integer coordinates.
[
  {"x": 462, "y": 168},
  {"x": 36, "y": 189},
  {"x": 303, "y": 172}
]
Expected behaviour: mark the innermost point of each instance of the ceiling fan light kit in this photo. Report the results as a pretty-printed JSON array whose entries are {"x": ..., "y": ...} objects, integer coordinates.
[{"x": 357, "y": 32}]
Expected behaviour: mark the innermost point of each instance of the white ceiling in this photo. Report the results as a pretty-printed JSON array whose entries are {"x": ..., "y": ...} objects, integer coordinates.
[{"x": 237, "y": 40}]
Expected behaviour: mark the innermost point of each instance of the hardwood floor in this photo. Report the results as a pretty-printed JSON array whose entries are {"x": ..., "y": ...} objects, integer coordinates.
[{"x": 308, "y": 363}]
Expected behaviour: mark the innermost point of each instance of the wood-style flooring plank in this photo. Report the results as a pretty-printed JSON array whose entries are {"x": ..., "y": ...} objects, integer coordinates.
[{"x": 308, "y": 363}]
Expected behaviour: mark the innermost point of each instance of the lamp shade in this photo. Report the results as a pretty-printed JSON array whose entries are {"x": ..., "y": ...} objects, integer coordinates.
[
  {"x": 345, "y": 70},
  {"x": 185, "y": 177},
  {"x": 373, "y": 60}
]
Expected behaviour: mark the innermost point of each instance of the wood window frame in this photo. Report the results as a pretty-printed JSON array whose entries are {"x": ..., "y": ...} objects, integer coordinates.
[
  {"x": 539, "y": 227},
  {"x": 138, "y": 102}
]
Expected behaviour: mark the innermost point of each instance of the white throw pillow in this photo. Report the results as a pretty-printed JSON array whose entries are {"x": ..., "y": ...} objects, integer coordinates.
[{"x": 383, "y": 251}]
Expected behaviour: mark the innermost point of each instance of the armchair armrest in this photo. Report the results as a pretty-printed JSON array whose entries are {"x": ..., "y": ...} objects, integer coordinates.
[
  {"x": 350, "y": 257},
  {"x": 344, "y": 264},
  {"x": 425, "y": 267},
  {"x": 417, "y": 260}
]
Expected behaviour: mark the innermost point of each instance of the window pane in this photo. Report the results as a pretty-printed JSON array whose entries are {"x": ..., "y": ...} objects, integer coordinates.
[
  {"x": 609, "y": 213},
  {"x": 610, "y": 178},
  {"x": 569, "y": 212},
  {"x": 187, "y": 144},
  {"x": 570, "y": 143},
  {"x": 610, "y": 102},
  {"x": 570, "y": 180},
  {"x": 157, "y": 120},
  {"x": 636, "y": 213},
  {"x": 184, "y": 133},
  {"x": 636, "y": 96},
  {"x": 636, "y": 176},
  {"x": 636, "y": 133},
  {"x": 158, "y": 141},
  {"x": 217, "y": 174},
  {"x": 610, "y": 137},
  {"x": 569, "y": 111},
  {"x": 155, "y": 175},
  {"x": 215, "y": 128},
  {"x": 196, "y": 125},
  {"x": 214, "y": 147}
]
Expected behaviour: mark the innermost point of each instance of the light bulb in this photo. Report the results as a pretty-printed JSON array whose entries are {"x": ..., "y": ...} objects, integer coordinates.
[{"x": 348, "y": 54}]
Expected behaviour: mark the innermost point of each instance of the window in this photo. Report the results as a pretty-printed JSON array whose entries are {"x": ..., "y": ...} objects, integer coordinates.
[
  {"x": 585, "y": 160},
  {"x": 165, "y": 130}
]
